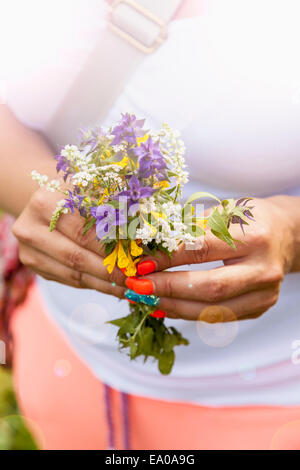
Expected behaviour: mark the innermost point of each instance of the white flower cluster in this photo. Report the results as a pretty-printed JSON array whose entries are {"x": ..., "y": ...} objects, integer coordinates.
[
  {"x": 82, "y": 178},
  {"x": 112, "y": 167},
  {"x": 89, "y": 172},
  {"x": 173, "y": 149},
  {"x": 145, "y": 233},
  {"x": 73, "y": 154},
  {"x": 53, "y": 185},
  {"x": 42, "y": 180},
  {"x": 112, "y": 178},
  {"x": 149, "y": 206},
  {"x": 169, "y": 226},
  {"x": 60, "y": 207}
]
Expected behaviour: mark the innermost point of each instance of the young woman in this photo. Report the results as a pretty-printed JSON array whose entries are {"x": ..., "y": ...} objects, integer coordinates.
[{"x": 229, "y": 82}]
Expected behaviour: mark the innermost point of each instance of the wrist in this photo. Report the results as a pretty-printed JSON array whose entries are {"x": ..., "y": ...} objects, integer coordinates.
[{"x": 289, "y": 208}]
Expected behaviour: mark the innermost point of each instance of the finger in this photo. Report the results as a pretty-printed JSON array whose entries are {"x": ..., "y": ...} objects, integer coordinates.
[
  {"x": 208, "y": 286},
  {"x": 54, "y": 271},
  {"x": 41, "y": 208},
  {"x": 240, "y": 307},
  {"x": 72, "y": 226},
  {"x": 208, "y": 248},
  {"x": 67, "y": 252}
]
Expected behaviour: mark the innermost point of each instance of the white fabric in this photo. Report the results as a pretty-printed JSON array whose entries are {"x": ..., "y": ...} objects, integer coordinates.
[
  {"x": 102, "y": 76},
  {"x": 230, "y": 83}
]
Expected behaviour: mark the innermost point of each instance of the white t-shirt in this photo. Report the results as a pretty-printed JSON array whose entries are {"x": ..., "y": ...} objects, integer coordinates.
[{"x": 229, "y": 80}]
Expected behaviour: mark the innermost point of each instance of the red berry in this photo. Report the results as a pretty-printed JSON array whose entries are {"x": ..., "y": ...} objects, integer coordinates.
[{"x": 158, "y": 314}]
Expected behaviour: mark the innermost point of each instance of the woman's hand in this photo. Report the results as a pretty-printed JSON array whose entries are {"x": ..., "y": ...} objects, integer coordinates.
[
  {"x": 65, "y": 255},
  {"x": 248, "y": 284}
]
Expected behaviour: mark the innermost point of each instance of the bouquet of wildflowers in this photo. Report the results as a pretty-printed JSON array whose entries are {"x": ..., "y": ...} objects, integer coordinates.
[{"x": 127, "y": 183}]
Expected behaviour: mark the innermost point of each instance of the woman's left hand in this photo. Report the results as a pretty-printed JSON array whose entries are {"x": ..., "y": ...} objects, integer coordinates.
[{"x": 249, "y": 282}]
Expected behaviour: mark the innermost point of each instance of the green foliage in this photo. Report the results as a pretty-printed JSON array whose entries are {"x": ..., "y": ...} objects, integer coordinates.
[
  {"x": 14, "y": 435},
  {"x": 218, "y": 226},
  {"x": 201, "y": 195},
  {"x": 89, "y": 223},
  {"x": 146, "y": 336}
]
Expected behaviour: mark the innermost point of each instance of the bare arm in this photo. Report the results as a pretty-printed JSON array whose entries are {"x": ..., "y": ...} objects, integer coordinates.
[
  {"x": 21, "y": 150},
  {"x": 64, "y": 255}
]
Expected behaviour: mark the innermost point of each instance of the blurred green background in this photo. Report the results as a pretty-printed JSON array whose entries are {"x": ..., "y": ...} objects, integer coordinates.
[{"x": 13, "y": 432}]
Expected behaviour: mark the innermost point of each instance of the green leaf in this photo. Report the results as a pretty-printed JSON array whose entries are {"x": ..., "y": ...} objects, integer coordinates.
[
  {"x": 169, "y": 342},
  {"x": 166, "y": 361},
  {"x": 109, "y": 247},
  {"x": 170, "y": 191},
  {"x": 89, "y": 225},
  {"x": 201, "y": 195},
  {"x": 118, "y": 322},
  {"x": 133, "y": 350},
  {"x": 114, "y": 203},
  {"x": 146, "y": 336},
  {"x": 219, "y": 229},
  {"x": 171, "y": 173},
  {"x": 146, "y": 340}
]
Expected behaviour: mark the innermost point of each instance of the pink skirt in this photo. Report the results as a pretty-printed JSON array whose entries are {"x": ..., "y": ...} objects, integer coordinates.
[{"x": 66, "y": 406}]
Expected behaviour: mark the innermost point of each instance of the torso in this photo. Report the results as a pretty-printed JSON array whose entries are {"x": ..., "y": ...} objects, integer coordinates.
[{"x": 233, "y": 95}]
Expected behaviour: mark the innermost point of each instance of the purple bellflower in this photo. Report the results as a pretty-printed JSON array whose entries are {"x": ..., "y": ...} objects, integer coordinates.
[
  {"x": 91, "y": 137},
  {"x": 128, "y": 129},
  {"x": 107, "y": 218},
  {"x": 151, "y": 160},
  {"x": 136, "y": 191},
  {"x": 242, "y": 204},
  {"x": 73, "y": 202},
  {"x": 62, "y": 165}
]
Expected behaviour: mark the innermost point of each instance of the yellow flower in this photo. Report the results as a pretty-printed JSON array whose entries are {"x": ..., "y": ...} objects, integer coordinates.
[
  {"x": 141, "y": 140},
  {"x": 106, "y": 193},
  {"x": 135, "y": 249},
  {"x": 123, "y": 162},
  {"x": 110, "y": 260},
  {"x": 201, "y": 223},
  {"x": 156, "y": 215},
  {"x": 162, "y": 184},
  {"x": 123, "y": 259},
  {"x": 131, "y": 267}
]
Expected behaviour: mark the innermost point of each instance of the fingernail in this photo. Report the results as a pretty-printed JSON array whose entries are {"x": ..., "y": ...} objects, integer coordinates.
[
  {"x": 151, "y": 300},
  {"x": 146, "y": 267},
  {"x": 129, "y": 282},
  {"x": 141, "y": 286},
  {"x": 131, "y": 301},
  {"x": 158, "y": 314}
]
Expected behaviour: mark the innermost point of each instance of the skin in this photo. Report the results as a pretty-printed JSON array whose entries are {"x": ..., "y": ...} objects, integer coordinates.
[
  {"x": 65, "y": 255},
  {"x": 248, "y": 284}
]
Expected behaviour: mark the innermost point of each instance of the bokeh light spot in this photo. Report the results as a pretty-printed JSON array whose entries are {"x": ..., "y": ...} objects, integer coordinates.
[
  {"x": 217, "y": 326},
  {"x": 62, "y": 368}
]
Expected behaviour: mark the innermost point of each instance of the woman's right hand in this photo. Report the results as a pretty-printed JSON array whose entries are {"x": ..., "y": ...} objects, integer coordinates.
[{"x": 64, "y": 255}]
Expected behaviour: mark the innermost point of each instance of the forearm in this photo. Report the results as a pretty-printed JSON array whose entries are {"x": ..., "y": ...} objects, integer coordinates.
[
  {"x": 21, "y": 151},
  {"x": 291, "y": 207}
]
